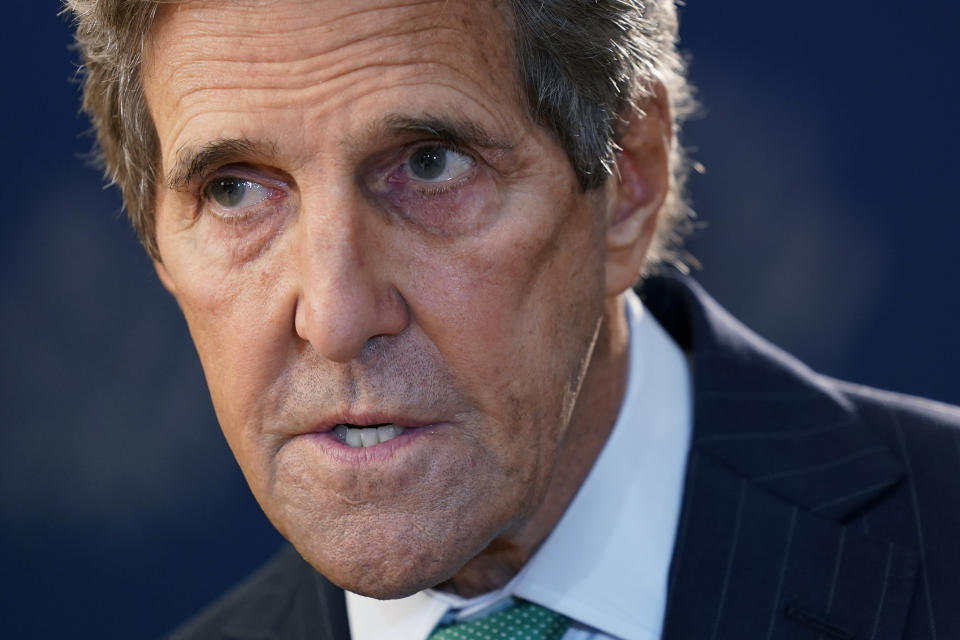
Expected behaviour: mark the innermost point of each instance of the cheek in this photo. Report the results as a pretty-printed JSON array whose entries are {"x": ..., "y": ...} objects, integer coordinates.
[
  {"x": 524, "y": 286},
  {"x": 237, "y": 318},
  {"x": 516, "y": 312}
]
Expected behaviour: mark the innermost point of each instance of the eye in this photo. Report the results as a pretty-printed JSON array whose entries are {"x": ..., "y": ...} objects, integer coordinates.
[
  {"x": 436, "y": 163},
  {"x": 234, "y": 194}
]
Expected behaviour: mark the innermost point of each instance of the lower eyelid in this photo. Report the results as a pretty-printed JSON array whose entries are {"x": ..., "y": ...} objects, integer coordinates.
[
  {"x": 249, "y": 212},
  {"x": 465, "y": 175},
  {"x": 439, "y": 188}
]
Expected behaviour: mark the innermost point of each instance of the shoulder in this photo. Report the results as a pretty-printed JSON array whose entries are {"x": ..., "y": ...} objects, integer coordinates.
[
  {"x": 920, "y": 513},
  {"x": 924, "y": 435},
  {"x": 903, "y": 417}
]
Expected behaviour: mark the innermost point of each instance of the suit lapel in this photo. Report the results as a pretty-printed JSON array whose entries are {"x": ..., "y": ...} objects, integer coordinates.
[
  {"x": 778, "y": 460},
  {"x": 748, "y": 564}
]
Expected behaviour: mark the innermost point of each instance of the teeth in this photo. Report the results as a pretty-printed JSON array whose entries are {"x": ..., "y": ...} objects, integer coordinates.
[
  {"x": 353, "y": 437},
  {"x": 388, "y": 432},
  {"x": 366, "y": 436}
]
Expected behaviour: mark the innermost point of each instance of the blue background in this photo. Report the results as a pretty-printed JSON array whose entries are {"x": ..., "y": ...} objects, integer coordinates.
[{"x": 829, "y": 136}]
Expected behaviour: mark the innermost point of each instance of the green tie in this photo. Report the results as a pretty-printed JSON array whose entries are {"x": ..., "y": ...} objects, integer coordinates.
[{"x": 525, "y": 621}]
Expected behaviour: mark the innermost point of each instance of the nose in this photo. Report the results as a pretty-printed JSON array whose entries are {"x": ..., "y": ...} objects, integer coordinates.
[{"x": 347, "y": 294}]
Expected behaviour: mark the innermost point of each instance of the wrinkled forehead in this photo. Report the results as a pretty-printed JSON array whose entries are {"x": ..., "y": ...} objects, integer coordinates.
[
  {"x": 205, "y": 57},
  {"x": 270, "y": 32},
  {"x": 347, "y": 17}
]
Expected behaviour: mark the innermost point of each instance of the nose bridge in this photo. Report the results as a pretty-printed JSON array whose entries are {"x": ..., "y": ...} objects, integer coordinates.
[
  {"x": 346, "y": 297},
  {"x": 330, "y": 251}
]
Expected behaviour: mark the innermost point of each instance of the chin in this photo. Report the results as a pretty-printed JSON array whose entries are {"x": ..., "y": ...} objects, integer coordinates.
[
  {"x": 384, "y": 576},
  {"x": 383, "y": 558}
]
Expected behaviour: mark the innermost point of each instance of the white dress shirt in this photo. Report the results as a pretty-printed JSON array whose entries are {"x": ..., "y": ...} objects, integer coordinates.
[{"x": 605, "y": 564}]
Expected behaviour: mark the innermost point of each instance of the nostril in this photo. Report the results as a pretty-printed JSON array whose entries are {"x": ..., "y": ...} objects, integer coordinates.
[{"x": 342, "y": 316}]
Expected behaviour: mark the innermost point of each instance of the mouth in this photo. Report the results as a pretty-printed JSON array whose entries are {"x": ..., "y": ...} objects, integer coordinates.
[{"x": 357, "y": 436}]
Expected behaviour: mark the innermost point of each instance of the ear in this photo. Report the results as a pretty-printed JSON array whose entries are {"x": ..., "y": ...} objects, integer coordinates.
[
  {"x": 164, "y": 276},
  {"x": 637, "y": 189}
]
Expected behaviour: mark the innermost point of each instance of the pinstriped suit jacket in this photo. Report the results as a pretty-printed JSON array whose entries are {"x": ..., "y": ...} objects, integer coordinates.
[{"x": 813, "y": 509}]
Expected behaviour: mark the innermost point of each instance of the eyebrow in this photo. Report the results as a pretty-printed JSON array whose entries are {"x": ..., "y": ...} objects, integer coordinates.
[
  {"x": 453, "y": 131},
  {"x": 195, "y": 161}
]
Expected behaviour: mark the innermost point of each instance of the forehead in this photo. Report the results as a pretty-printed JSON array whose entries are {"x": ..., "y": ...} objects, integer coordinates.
[{"x": 208, "y": 63}]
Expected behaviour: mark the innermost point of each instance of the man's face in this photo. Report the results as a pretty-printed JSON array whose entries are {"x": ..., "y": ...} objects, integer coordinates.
[{"x": 363, "y": 227}]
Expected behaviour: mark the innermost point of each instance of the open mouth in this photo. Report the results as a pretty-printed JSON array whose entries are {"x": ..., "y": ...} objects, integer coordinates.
[{"x": 366, "y": 436}]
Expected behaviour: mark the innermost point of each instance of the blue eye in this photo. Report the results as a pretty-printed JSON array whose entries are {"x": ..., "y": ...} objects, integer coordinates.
[
  {"x": 236, "y": 193},
  {"x": 437, "y": 163}
]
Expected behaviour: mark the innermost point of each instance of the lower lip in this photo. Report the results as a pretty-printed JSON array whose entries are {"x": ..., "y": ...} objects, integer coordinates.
[{"x": 340, "y": 451}]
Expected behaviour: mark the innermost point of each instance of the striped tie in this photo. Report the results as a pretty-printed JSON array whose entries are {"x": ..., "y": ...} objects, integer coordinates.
[{"x": 525, "y": 621}]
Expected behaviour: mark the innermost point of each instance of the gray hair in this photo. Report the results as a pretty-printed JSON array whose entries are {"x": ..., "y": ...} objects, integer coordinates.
[{"x": 581, "y": 65}]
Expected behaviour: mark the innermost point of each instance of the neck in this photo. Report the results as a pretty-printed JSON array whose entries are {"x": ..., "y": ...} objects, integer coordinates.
[{"x": 594, "y": 414}]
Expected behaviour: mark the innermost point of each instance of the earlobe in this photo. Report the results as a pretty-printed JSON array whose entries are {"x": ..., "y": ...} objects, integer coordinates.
[
  {"x": 164, "y": 276},
  {"x": 639, "y": 189}
]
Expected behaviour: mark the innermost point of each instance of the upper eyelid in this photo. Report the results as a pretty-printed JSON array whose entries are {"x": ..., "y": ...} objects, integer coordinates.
[
  {"x": 410, "y": 148},
  {"x": 440, "y": 142},
  {"x": 240, "y": 172},
  {"x": 245, "y": 171},
  {"x": 387, "y": 156},
  {"x": 193, "y": 162},
  {"x": 206, "y": 201},
  {"x": 231, "y": 170}
]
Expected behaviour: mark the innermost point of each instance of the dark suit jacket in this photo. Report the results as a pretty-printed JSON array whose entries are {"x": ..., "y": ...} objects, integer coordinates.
[{"x": 813, "y": 509}]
